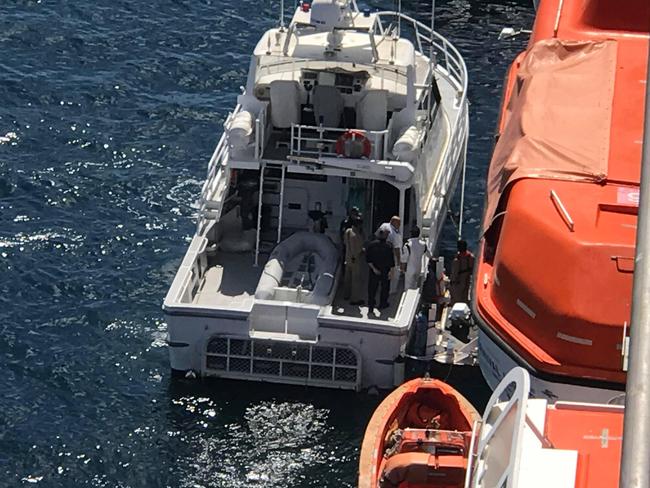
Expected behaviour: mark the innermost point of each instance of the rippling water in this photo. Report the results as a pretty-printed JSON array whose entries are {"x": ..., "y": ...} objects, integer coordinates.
[{"x": 109, "y": 111}]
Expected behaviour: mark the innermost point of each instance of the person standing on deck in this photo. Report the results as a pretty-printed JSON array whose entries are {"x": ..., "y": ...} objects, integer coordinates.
[
  {"x": 412, "y": 253},
  {"x": 394, "y": 238},
  {"x": 434, "y": 288},
  {"x": 461, "y": 273},
  {"x": 353, "y": 241},
  {"x": 381, "y": 260},
  {"x": 348, "y": 222},
  {"x": 319, "y": 220}
]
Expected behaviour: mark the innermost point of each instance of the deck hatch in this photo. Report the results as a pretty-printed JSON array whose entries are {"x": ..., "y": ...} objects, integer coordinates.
[{"x": 331, "y": 366}]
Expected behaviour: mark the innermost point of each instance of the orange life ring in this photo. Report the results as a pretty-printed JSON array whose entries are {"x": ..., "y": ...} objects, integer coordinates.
[{"x": 353, "y": 144}]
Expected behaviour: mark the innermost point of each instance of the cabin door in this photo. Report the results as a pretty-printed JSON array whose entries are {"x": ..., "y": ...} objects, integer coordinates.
[{"x": 385, "y": 203}]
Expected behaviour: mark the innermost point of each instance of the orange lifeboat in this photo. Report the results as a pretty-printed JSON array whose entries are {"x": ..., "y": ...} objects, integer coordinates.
[
  {"x": 553, "y": 278},
  {"x": 419, "y": 436}
]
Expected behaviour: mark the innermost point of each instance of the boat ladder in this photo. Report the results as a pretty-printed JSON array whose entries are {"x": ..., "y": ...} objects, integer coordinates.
[{"x": 271, "y": 197}]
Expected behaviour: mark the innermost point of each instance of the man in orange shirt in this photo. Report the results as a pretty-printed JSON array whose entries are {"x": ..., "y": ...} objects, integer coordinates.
[{"x": 461, "y": 273}]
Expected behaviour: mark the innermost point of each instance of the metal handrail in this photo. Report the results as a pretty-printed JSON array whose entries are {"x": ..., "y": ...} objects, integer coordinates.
[
  {"x": 260, "y": 133},
  {"x": 451, "y": 64},
  {"x": 377, "y": 139},
  {"x": 211, "y": 182},
  {"x": 443, "y": 176},
  {"x": 220, "y": 158},
  {"x": 291, "y": 63},
  {"x": 440, "y": 45},
  {"x": 636, "y": 452},
  {"x": 215, "y": 170},
  {"x": 471, "y": 457}
]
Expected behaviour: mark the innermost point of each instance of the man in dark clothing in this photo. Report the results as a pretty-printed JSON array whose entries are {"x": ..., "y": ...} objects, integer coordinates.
[{"x": 379, "y": 255}]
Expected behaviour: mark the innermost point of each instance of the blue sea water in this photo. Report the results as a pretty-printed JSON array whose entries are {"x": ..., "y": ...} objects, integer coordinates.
[{"x": 109, "y": 111}]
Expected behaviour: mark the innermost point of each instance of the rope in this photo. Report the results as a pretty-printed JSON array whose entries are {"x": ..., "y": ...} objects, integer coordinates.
[
  {"x": 450, "y": 214},
  {"x": 462, "y": 198}
]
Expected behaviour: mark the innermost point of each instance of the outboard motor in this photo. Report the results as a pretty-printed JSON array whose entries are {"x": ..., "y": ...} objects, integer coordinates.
[{"x": 460, "y": 319}]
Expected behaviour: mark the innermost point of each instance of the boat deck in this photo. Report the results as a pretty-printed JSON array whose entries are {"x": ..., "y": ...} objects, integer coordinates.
[
  {"x": 231, "y": 282},
  {"x": 230, "y": 285},
  {"x": 342, "y": 307},
  {"x": 596, "y": 432},
  {"x": 278, "y": 146}
]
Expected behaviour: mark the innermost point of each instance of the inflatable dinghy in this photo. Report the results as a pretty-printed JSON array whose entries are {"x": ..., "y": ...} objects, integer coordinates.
[{"x": 301, "y": 269}]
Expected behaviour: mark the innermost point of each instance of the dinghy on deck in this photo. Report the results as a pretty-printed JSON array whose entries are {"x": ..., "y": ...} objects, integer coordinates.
[{"x": 302, "y": 269}]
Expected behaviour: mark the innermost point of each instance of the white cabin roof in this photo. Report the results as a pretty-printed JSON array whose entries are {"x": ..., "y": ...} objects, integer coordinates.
[{"x": 351, "y": 47}]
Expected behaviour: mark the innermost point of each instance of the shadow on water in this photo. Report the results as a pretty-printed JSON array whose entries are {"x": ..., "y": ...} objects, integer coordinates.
[
  {"x": 240, "y": 394},
  {"x": 263, "y": 434},
  {"x": 269, "y": 434}
]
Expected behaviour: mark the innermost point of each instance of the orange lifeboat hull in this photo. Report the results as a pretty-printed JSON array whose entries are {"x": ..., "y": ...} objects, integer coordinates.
[
  {"x": 418, "y": 437},
  {"x": 553, "y": 279}
]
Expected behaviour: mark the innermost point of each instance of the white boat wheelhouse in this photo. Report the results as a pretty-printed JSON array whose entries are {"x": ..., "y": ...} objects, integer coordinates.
[{"x": 341, "y": 108}]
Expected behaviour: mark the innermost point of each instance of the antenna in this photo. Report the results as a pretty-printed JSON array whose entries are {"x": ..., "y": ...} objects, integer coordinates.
[
  {"x": 433, "y": 16},
  {"x": 281, "y": 14},
  {"x": 431, "y": 62},
  {"x": 399, "y": 18}
]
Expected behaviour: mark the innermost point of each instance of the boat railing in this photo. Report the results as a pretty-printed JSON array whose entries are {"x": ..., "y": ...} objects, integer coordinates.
[
  {"x": 428, "y": 43},
  {"x": 471, "y": 453},
  {"x": 450, "y": 64},
  {"x": 260, "y": 133},
  {"x": 499, "y": 444},
  {"x": 214, "y": 186},
  {"x": 278, "y": 65},
  {"x": 445, "y": 172},
  {"x": 318, "y": 141}
]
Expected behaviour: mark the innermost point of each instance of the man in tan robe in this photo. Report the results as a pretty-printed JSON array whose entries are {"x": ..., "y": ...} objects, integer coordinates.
[{"x": 353, "y": 240}]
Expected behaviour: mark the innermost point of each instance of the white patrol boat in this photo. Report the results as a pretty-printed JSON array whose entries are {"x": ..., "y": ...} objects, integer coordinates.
[{"x": 341, "y": 108}]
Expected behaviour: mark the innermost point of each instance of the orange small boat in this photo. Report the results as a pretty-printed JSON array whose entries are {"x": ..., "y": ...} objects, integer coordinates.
[
  {"x": 553, "y": 281},
  {"x": 425, "y": 434},
  {"x": 419, "y": 436}
]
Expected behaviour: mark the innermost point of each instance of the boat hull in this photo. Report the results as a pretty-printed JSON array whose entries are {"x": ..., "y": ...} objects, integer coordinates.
[
  {"x": 375, "y": 345},
  {"x": 495, "y": 363},
  {"x": 345, "y": 356}
]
